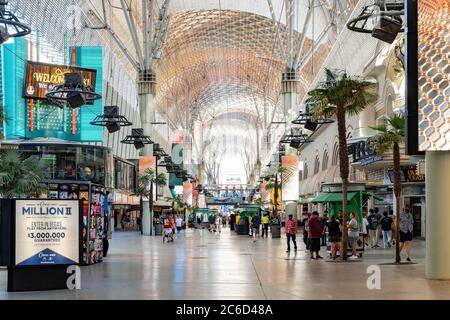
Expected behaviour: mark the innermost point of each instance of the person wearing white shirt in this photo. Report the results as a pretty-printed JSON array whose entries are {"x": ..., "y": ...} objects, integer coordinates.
[{"x": 179, "y": 224}]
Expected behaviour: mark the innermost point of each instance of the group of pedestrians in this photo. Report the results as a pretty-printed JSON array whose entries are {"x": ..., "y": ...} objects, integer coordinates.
[
  {"x": 372, "y": 227},
  {"x": 171, "y": 226},
  {"x": 216, "y": 222}
]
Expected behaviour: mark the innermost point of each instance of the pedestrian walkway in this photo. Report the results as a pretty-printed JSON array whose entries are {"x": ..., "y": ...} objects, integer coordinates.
[{"x": 201, "y": 265}]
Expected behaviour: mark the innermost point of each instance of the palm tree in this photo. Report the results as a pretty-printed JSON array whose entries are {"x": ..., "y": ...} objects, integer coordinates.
[
  {"x": 20, "y": 176},
  {"x": 339, "y": 96},
  {"x": 390, "y": 135},
  {"x": 145, "y": 189}
]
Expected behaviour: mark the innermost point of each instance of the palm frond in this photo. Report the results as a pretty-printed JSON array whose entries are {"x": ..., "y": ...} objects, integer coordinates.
[
  {"x": 392, "y": 131},
  {"x": 19, "y": 176},
  {"x": 160, "y": 179}
]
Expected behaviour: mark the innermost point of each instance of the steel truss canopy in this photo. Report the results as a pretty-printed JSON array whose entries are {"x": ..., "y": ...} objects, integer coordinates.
[{"x": 210, "y": 57}]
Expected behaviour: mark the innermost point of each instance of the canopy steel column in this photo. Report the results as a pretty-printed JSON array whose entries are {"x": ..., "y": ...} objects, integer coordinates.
[
  {"x": 146, "y": 91},
  {"x": 438, "y": 220}
]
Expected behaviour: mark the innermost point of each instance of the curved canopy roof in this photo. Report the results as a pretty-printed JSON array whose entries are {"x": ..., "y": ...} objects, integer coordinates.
[{"x": 215, "y": 59}]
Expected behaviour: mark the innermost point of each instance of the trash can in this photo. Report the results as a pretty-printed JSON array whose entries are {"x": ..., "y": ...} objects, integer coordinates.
[
  {"x": 275, "y": 229},
  {"x": 158, "y": 229}
]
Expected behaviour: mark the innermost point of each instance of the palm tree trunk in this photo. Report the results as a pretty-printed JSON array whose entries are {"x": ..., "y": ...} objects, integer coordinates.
[
  {"x": 397, "y": 192},
  {"x": 343, "y": 167},
  {"x": 150, "y": 207}
]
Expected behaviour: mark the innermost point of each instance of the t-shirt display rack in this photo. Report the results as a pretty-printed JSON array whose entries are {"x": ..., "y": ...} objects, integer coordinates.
[{"x": 94, "y": 222}]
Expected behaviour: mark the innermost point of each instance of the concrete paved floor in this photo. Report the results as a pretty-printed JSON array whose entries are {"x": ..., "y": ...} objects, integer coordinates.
[{"x": 200, "y": 265}]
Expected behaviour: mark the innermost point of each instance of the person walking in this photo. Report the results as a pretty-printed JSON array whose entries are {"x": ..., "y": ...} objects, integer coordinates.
[
  {"x": 386, "y": 229},
  {"x": 353, "y": 234},
  {"x": 315, "y": 234},
  {"x": 179, "y": 223},
  {"x": 324, "y": 224},
  {"x": 373, "y": 227},
  {"x": 334, "y": 235},
  {"x": 406, "y": 232},
  {"x": 265, "y": 225},
  {"x": 365, "y": 229},
  {"x": 224, "y": 220},
  {"x": 379, "y": 216},
  {"x": 218, "y": 223},
  {"x": 393, "y": 226},
  {"x": 256, "y": 221},
  {"x": 305, "y": 230},
  {"x": 211, "y": 221},
  {"x": 172, "y": 224},
  {"x": 291, "y": 230}
]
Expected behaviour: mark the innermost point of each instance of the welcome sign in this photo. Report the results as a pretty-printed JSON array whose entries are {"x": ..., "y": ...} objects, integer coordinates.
[
  {"x": 41, "y": 78},
  {"x": 47, "y": 232}
]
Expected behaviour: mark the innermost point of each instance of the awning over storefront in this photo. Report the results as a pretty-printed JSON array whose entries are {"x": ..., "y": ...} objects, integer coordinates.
[
  {"x": 305, "y": 199},
  {"x": 371, "y": 194},
  {"x": 333, "y": 197}
]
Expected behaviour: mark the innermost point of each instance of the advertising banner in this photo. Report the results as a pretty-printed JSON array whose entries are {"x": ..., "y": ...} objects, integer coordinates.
[
  {"x": 433, "y": 69},
  {"x": 146, "y": 162},
  {"x": 41, "y": 78},
  {"x": 47, "y": 232},
  {"x": 289, "y": 178}
]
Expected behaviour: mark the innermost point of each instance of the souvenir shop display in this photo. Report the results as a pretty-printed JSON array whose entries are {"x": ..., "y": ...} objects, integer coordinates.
[{"x": 94, "y": 220}]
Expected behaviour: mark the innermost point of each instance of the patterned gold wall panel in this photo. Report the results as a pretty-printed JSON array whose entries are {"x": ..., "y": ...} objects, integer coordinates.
[{"x": 434, "y": 71}]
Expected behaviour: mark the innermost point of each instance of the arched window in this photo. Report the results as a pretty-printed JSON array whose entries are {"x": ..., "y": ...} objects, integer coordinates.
[
  {"x": 335, "y": 159},
  {"x": 316, "y": 165},
  {"x": 305, "y": 171},
  {"x": 325, "y": 160}
]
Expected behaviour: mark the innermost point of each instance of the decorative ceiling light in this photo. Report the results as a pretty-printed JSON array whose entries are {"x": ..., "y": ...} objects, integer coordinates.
[
  {"x": 167, "y": 161},
  {"x": 159, "y": 152},
  {"x": 306, "y": 119},
  {"x": 137, "y": 138},
  {"x": 10, "y": 26},
  {"x": 382, "y": 19},
  {"x": 296, "y": 138},
  {"x": 73, "y": 92},
  {"x": 111, "y": 119}
]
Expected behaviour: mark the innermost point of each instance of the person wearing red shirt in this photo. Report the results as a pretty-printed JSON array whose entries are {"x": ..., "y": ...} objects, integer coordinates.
[
  {"x": 291, "y": 230},
  {"x": 315, "y": 230}
]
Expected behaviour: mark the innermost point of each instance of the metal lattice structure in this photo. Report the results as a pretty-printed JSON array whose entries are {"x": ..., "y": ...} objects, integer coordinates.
[{"x": 212, "y": 59}]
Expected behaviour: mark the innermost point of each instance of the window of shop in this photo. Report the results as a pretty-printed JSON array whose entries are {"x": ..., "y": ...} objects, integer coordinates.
[
  {"x": 125, "y": 175},
  {"x": 68, "y": 162}
]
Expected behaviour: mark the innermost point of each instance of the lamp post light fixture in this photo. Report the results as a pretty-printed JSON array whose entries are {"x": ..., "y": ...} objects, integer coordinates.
[
  {"x": 73, "y": 92},
  {"x": 10, "y": 26},
  {"x": 137, "y": 139},
  {"x": 306, "y": 118},
  {"x": 111, "y": 119},
  {"x": 382, "y": 19}
]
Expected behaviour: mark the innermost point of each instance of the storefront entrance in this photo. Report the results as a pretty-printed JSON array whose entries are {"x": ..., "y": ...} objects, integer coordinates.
[{"x": 417, "y": 207}]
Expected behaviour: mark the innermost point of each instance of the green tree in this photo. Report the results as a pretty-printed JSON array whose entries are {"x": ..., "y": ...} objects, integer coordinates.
[
  {"x": 390, "y": 135},
  {"x": 145, "y": 189},
  {"x": 20, "y": 176},
  {"x": 340, "y": 96}
]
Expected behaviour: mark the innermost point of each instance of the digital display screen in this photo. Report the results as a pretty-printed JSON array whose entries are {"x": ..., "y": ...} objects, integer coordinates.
[
  {"x": 433, "y": 74},
  {"x": 41, "y": 78}
]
